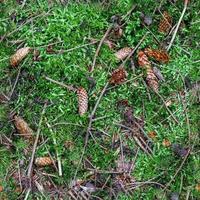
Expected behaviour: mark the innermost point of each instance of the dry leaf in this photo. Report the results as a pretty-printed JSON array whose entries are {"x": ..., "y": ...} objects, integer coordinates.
[
  {"x": 158, "y": 74},
  {"x": 197, "y": 187},
  {"x": 82, "y": 100},
  {"x": 152, "y": 134},
  {"x": 43, "y": 161},
  {"x": 159, "y": 55},
  {"x": 166, "y": 143},
  {"x": 143, "y": 59},
  {"x": 151, "y": 79},
  {"x": 123, "y": 53},
  {"x": 22, "y": 127},
  {"x": 166, "y": 23},
  {"x": 50, "y": 49},
  {"x": 109, "y": 43},
  {"x": 1, "y": 188},
  {"x": 118, "y": 76},
  {"x": 19, "y": 56}
]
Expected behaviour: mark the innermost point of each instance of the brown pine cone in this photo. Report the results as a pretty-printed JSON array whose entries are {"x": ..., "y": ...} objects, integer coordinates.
[
  {"x": 19, "y": 56},
  {"x": 151, "y": 79},
  {"x": 82, "y": 100},
  {"x": 159, "y": 55},
  {"x": 22, "y": 127},
  {"x": 143, "y": 59},
  {"x": 118, "y": 76},
  {"x": 123, "y": 53},
  {"x": 166, "y": 23},
  {"x": 43, "y": 161}
]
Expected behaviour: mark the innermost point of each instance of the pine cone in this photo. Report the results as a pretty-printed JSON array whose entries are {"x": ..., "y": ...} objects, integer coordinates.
[
  {"x": 166, "y": 23},
  {"x": 123, "y": 53},
  {"x": 159, "y": 55},
  {"x": 82, "y": 100},
  {"x": 118, "y": 76},
  {"x": 43, "y": 161},
  {"x": 151, "y": 79},
  {"x": 22, "y": 127},
  {"x": 19, "y": 56},
  {"x": 143, "y": 59}
]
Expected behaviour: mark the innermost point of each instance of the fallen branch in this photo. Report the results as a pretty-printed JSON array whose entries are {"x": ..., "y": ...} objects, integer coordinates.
[
  {"x": 69, "y": 87},
  {"x": 178, "y": 25},
  {"x": 99, "y": 47}
]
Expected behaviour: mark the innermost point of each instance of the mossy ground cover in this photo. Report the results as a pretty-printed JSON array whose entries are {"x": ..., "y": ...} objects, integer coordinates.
[{"x": 41, "y": 23}]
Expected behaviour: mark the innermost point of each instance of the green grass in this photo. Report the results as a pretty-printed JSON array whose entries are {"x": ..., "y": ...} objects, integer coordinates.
[{"x": 71, "y": 26}]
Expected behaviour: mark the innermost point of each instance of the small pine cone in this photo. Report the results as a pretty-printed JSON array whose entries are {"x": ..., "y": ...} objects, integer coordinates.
[
  {"x": 22, "y": 127},
  {"x": 19, "y": 56},
  {"x": 118, "y": 76},
  {"x": 43, "y": 161},
  {"x": 82, "y": 100},
  {"x": 151, "y": 79},
  {"x": 123, "y": 53},
  {"x": 143, "y": 59},
  {"x": 159, "y": 55},
  {"x": 166, "y": 23}
]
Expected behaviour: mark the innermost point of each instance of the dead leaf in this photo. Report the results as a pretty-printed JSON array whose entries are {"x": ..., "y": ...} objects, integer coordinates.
[
  {"x": 1, "y": 188},
  {"x": 82, "y": 100},
  {"x": 50, "y": 50},
  {"x": 166, "y": 143},
  {"x": 36, "y": 55},
  {"x": 152, "y": 134},
  {"x": 19, "y": 56},
  {"x": 158, "y": 74},
  {"x": 179, "y": 150},
  {"x": 197, "y": 187}
]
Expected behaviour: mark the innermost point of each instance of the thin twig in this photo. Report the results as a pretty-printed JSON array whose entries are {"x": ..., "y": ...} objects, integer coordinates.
[
  {"x": 99, "y": 47},
  {"x": 55, "y": 143},
  {"x": 178, "y": 170},
  {"x": 69, "y": 87},
  {"x": 16, "y": 80},
  {"x": 28, "y": 21},
  {"x": 136, "y": 47},
  {"x": 29, "y": 173},
  {"x": 178, "y": 24},
  {"x": 89, "y": 127},
  {"x": 170, "y": 112}
]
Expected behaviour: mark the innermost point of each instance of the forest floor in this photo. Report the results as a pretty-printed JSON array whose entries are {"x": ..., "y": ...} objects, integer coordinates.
[{"x": 136, "y": 140}]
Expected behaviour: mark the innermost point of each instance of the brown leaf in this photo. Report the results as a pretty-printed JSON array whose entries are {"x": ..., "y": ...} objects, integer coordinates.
[
  {"x": 143, "y": 59},
  {"x": 43, "y": 161},
  {"x": 197, "y": 187},
  {"x": 151, "y": 79},
  {"x": 166, "y": 23},
  {"x": 159, "y": 55},
  {"x": 1, "y": 188},
  {"x": 109, "y": 43},
  {"x": 152, "y": 134},
  {"x": 166, "y": 143},
  {"x": 36, "y": 55},
  {"x": 19, "y": 56},
  {"x": 118, "y": 76},
  {"x": 22, "y": 127},
  {"x": 50, "y": 50},
  {"x": 82, "y": 100},
  {"x": 158, "y": 74},
  {"x": 123, "y": 53}
]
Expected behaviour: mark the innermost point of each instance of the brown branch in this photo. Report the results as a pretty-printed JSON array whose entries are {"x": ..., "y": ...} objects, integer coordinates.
[
  {"x": 69, "y": 87},
  {"x": 178, "y": 25},
  {"x": 99, "y": 47}
]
